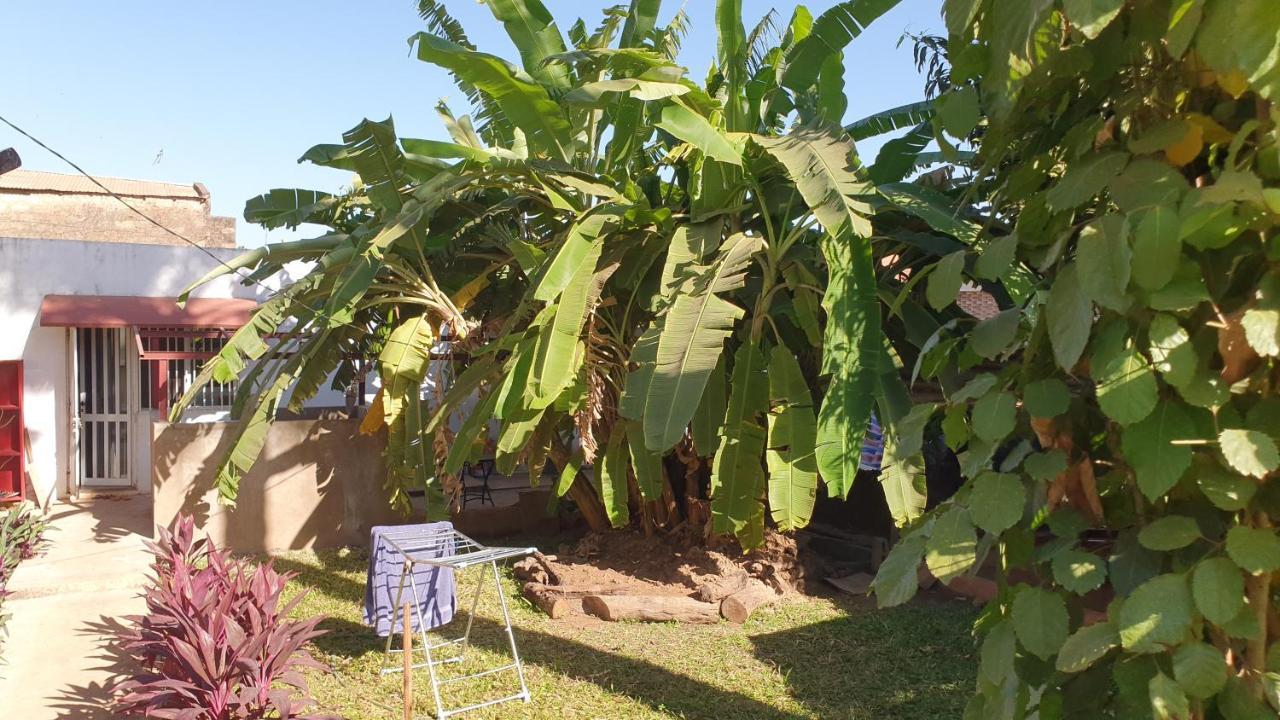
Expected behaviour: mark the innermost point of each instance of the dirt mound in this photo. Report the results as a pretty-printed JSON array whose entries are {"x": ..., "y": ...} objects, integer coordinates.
[{"x": 675, "y": 565}]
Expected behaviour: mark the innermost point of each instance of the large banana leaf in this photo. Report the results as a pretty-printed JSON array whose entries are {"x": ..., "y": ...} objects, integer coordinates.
[
  {"x": 375, "y": 153},
  {"x": 582, "y": 240},
  {"x": 824, "y": 166},
  {"x": 515, "y": 435},
  {"x": 707, "y": 419},
  {"x": 898, "y": 157},
  {"x": 534, "y": 33},
  {"x": 793, "y": 469},
  {"x": 290, "y": 207},
  {"x": 696, "y": 130},
  {"x": 403, "y": 363},
  {"x": 556, "y": 363},
  {"x": 636, "y": 390},
  {"x": 737, "y": 475},
  {"x": 831, "y": 32},
  {"x": 524, "y": 102},
  {"x": 611, "y": 477},
  {"x": 887, "y": 121},
  {"x": 274, "y": 256},
  {"x": 646, "y": 463},
  {"x": 473, "y": 430},
  {"x": 933, "y": 207},
  {"x": 851, "y": 353},
  {"x": 693, "y": 335},
  {"x": 689, "y": 245},
  {"x": 642, "y": 18}
]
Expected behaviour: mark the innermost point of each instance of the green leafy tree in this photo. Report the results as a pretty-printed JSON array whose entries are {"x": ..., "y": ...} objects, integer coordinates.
[
  {"x": 1120, "y": 453},
  {"x": 671, "y": 281}
]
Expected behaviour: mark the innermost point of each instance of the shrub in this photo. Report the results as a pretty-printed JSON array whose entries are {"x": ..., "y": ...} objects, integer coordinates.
[
  {"x": 21, "y": 532},
  {"x": 215, "y": 643}
]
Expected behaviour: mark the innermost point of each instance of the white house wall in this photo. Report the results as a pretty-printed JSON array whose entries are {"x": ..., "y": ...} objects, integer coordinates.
[{"x": 30, "y": 269}]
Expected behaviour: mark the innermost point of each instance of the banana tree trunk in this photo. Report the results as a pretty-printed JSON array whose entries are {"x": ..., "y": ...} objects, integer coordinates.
[{"x": 581, "y": 491}]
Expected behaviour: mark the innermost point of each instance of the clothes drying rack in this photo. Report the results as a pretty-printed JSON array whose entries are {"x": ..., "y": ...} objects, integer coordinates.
[{"x": 448, "y": 548}]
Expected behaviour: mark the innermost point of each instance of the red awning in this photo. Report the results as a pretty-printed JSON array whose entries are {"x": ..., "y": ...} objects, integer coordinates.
[{"x": 108, "y": 311}]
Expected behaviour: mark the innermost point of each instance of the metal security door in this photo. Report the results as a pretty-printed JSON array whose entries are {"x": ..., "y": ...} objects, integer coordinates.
[{"x": 103, "y": 397}]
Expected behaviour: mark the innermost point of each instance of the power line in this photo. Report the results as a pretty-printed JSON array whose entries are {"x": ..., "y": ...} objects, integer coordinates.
[{"x": 245, "y": 278}]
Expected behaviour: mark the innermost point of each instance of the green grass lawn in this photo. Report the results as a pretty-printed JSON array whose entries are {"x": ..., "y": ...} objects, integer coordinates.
[{"x": 812, "y": 658}]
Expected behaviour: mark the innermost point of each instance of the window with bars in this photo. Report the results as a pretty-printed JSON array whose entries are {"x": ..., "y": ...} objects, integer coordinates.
[{"x": 171, "y": 359}]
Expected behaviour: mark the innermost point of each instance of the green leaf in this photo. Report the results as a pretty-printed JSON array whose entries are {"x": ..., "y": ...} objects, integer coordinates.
[
  {"x": 994, "y": 416},
  {"x": 897, "y": 579},
  {"x": 832, "y": 31},
  {"x": 1130, "y": 564},
  {"x": 1250, "y": 452},
  {"x": 978, "y": 386},
  {"x": 1184, "y": 18},
  {"x": 692, "y": 340},
  {"x": 1237, "y": 702},
  {"x": 997, "y": 501},
  {"x": 945, "y": 280},
  {"x": 1168, "y": 701},
  {"x": 737, "y": 476},
  {"x": 1126, "y": 384},
  {"x": 707, "y": 419},
  {"x": 952, "y": 545},
  {"x": 851, "y": 354},
  {"x": 1070, "y": 317},
  {"x": 1046, "y": 398},
  {"x": 1040, "y": 621},
  {"x": 1170, "y": 532},
  {"x": 1103, "y": 257},
  {"x": 1091, "y": 17},
  {"x": 1078, "y": 571},
  {"x": 533, "y": 31},
  {"x": 1147, "y": 183},
  {"x": 1225, "y": 489},
  {"x": 525, "y": 103},
  {"x": 793, "y": 469},
  {"x": 695, "y": 129},
  {"x": 996, "y": 258},
  {"x": 823, "y": 164},
  {"x": 1185, "y": 291},
  {"x": 289, "y": 208},
  {"x": 1218, "y": 589},
  {"x": 996, "y": 658},
  {"x": 1085, "y": 178},
  {"x": 612, "y": 480},
  {"x": 1149, "y": 448},
  {"x": 646, "y": 463},
  {"x": 1200, "y": 669},
  {"x": 1171, "y": 350},
  {"x": 958, "y": 111},
  {"x": 1156, "y": 615},
  {"x": 581, "y": 247},
  {"x": 1086, "y": 646},
  {"x": 1262, "y": 330},
  {"x": 1257, "y": 550},
  {"x": 887, "y": 121},
  {"x": 1046, "y": 465},
  {"x": 992, "y": 336},
  {"x": 1156, "y": 242}
]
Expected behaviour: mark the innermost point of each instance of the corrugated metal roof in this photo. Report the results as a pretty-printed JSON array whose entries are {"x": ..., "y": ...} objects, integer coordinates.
[{"x": 35, "y": 181}]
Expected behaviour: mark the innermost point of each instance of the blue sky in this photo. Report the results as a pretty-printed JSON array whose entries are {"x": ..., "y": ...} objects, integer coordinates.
[{"x": 230, "y": 93}]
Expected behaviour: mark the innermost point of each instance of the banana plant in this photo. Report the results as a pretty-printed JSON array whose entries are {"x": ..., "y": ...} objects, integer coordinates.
[{"x": 634, "y": 272}]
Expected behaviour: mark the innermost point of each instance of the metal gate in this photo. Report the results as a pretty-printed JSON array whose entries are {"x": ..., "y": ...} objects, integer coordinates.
[{"x": 104, "y": 399}]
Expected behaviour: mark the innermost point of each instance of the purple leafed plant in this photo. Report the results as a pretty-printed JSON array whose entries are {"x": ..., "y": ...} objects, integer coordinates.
[{"x": 216, "y": 642}]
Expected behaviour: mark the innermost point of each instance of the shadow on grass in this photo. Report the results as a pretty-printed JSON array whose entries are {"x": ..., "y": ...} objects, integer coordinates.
[
  {"x": 914, "y": 661},
  {"x": 643, "y": 681}
]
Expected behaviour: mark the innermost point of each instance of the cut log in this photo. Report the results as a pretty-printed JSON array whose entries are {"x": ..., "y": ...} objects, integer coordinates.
[
  {"x": 555, "y": 605},
  {"x": 651, "y": 608},
  {"x": 737, "y": 607}
]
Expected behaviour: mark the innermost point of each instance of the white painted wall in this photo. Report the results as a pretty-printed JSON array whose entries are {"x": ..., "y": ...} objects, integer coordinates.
[{"x": 33, "y": 268}]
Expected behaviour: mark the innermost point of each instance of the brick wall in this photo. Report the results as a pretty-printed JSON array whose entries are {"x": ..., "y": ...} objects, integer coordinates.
[{"x": 101, "y": 218}]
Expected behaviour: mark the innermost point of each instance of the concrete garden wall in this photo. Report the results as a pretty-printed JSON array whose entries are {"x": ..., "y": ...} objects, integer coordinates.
[{"x": 317, "y": 484}]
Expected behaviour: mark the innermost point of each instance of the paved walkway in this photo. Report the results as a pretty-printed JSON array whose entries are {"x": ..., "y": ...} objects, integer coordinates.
[{"x": 57, "y": 663}]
